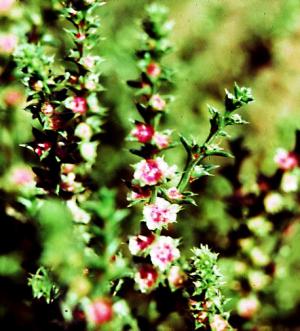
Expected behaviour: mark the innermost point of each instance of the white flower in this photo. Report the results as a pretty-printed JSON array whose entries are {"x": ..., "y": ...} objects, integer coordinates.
[{"x": 160, "y": 213}]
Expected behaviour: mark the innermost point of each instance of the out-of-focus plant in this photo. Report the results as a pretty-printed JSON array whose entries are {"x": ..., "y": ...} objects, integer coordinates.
[
  {"x": 258, "y": 241},
  {"x": 267, "y": 216},
  {"x": 79, "y": 227}
]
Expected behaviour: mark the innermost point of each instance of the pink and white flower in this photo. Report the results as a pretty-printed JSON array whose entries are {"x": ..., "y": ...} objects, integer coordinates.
[
  {"x": 78, "y": 105},
  {"x": 139, "y": 243},
  {"x": 163, "y": 252},
  {"x": 174, "y": 194},
  {"x": 143, "y": 132},
  {"x": 146, "y": 278},
  {"x": 160, "y": 213},
  {"x": 157, "y": 102},
  {"x": 153, "y": 171},
  {"x": 285, "y": 160},
  {"x": 161, "y": 140}
]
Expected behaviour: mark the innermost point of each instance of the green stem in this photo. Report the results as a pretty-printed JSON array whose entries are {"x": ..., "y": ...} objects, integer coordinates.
[
  {"x": 153, "y": 194},
  {"x": 191, "y": 163}
]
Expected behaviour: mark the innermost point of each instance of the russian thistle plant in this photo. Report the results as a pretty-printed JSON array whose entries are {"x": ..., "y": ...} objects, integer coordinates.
[{"x": 163, "y": 190}]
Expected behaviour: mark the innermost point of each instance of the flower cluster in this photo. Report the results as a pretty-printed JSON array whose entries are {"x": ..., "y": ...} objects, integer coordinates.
[
  {"x": 153, "y": 173},
  {"x": 163, "y": 190}
]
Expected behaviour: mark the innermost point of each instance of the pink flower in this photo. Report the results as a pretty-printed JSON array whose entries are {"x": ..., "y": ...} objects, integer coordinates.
[
  {"x": 143, "y": 132},
  {"x": 174, "y": 194},
  {"x": 160, "y": 213},
  {"x": 153, "y": 70},
  {"x": 152, "y": 171},
  {"x": 8, "y": 43},
  {"x": 138, "y": 243},
  {"x": 146, "y": 278},
  {"x": 157, "y": 102},
  {"x": 161, "y": 140},
  {"x": 247, "y": 307},
  {"x": 285, "y": 160},
  {"x": 5, "y": 5},
  {"x": 218, "y": 323},
  {"x": 100, "y": 311},
  {"x": 78, "y": 105},
  {"x": 164, "y": 252}
]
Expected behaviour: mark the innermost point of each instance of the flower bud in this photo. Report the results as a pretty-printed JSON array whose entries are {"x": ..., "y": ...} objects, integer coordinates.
[
  {"x": 218, "y": 323},
  {"x": 83, "y": 131},
  {"x": 285, "y": 160},
  {"x": 146, "y": 278},
  {"x": 100, "y": 311},
  {"x": 157, "y": 102},
  {"x": 153, "y": 70},
  {"x": 174, "y": 194},
  {"x": 42, "y": 148},
  {"x": 161, "y": 140},
  {"x": 289, "y": 182},
  {"x": 176, "y": 276},
  {"x": 139, "y": 243},
  {"x": 47, "y": 109},
  {"x": 78, "y": 105},
  {"x": 273, "y": 202},
  {"x": 247, "y": 307},
  {"x": 143, "y": 132},
  {"x": 80, "y": 36}
]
